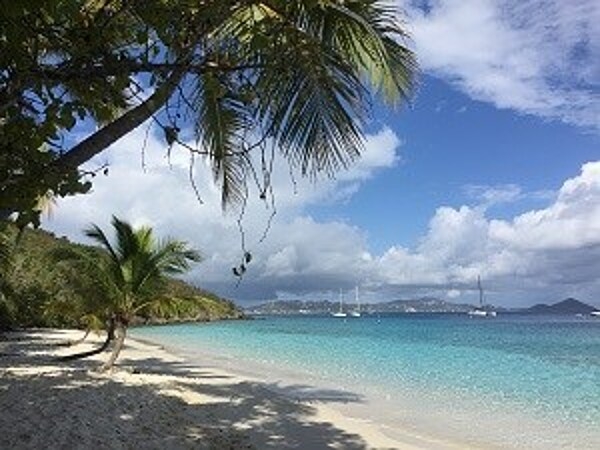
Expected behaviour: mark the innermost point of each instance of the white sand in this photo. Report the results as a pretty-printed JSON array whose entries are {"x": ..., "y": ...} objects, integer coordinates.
[{"x": 155, "y": 399}]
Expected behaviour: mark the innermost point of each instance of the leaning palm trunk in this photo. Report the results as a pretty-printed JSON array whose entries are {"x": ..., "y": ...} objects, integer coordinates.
[
  {"x": 110, "y": 336},
  {"x": 121, "y": 331}
]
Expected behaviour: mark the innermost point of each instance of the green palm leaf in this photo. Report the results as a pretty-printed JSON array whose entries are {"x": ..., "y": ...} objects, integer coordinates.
[
  {"x": 311, "y": 69},
  {"x": 221, "y": 120},
  {"x": 137, "y": 265}
]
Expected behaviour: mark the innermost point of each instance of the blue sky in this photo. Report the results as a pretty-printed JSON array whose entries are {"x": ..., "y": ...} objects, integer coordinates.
[
  {"x": 451, "y": 142},
  {"x": 493, "y": 170}
]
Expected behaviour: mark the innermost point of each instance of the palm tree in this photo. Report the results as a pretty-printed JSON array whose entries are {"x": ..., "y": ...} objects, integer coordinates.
[
  {"x": 134, "y": 272},
  {"x": 300, "y": 74},
  {"x": 313, "y": 109}
]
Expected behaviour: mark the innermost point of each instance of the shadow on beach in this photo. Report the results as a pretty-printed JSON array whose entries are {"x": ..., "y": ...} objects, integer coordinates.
[{"x": 70, "y": 406}]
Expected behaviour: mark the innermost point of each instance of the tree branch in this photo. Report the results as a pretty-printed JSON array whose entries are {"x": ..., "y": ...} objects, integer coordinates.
[
  {"x": 75, "y": 70},
  {"x": 100, "y": 140}
]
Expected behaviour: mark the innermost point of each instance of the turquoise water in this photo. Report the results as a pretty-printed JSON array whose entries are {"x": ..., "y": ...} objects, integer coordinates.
[{"x": 547, "y": 367}]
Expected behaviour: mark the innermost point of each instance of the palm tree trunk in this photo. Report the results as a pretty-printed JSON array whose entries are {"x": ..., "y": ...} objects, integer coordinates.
[
  {"x": 119, "y": 341},
  {"x": 110, "y": 336},
  {"x": 103, "y": 138}
]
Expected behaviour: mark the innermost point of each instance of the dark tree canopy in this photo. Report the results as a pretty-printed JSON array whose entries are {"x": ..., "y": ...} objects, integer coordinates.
[{"x": 297, "y": 74}]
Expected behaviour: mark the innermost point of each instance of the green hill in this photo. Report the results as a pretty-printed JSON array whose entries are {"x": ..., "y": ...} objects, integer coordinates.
[{"x": 38, "y": 288}]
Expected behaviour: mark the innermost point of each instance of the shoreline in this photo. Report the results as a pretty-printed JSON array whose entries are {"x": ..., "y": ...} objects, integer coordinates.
[
  {"x": 433, "y": 419},
  {"x": 202, "y": 398},
  {"x": 347, "y": 407},
  {"x": 156, "y": 398}
]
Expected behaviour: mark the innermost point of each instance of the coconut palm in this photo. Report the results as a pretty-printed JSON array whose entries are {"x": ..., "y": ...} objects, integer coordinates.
[
  {"x": 300, "y": 74},
  {"x": 134, "y": 273}
]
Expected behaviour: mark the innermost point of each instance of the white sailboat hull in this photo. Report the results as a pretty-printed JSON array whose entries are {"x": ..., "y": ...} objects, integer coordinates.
[{"x": 481, "y": 313}]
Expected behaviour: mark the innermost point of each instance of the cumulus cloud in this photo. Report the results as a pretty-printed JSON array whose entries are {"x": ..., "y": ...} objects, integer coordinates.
[
  {"x": 541, "y": 254},
  {"x": 539, "y": 57},
  {"x": 298, "y": 253}
]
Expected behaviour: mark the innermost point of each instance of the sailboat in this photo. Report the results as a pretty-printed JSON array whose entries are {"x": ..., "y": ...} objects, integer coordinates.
[
  {"x": 341, "y": 312},
  {"x": 303, "y": 310},
  {"x": 356, "y": 312},
  {"x": 480, "y": 311}
]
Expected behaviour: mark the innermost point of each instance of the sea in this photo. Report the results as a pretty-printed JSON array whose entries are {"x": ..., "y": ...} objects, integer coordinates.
[{"x": 514, "y": 381}]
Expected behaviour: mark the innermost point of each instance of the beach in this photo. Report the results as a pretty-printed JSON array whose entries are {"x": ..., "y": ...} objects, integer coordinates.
[
  {"x": 157, "y": 399},
  {"x": 433, "y": 380}
]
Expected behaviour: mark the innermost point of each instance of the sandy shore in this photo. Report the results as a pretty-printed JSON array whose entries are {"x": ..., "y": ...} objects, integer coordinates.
[{"x": 156, "y": 399}]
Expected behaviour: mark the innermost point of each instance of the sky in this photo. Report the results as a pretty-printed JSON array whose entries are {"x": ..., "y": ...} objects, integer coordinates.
[{"x": 493, "y": 170}]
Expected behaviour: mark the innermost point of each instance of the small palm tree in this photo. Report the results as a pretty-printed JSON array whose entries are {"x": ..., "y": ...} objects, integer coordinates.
[{"x": 134, "y": 274}]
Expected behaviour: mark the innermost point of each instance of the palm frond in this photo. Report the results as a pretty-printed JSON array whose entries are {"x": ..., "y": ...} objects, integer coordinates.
[
  {"x": 136, "y": 268},
  {"x": 174, "y": 257},
  {"x": 312, "y": 109},
  {"x": 221, "y": 120},
  {"x": 95, "y": 232},
  {"x": 311, "y": 69},
  {"x": 127, "y": 242},
  {"x": 368, "y": 34},
  {"x": 170, "y": 257}
]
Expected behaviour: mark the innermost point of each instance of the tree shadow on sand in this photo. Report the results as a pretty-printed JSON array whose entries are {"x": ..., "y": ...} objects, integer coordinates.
[{"x": 76, "y": 408}]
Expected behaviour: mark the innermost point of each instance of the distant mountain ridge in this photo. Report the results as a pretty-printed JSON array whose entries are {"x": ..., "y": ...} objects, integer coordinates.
[{"x": 423, "y": 305}]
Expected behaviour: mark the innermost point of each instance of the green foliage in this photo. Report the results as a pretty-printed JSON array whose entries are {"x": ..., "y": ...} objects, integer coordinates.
[
  {"x": 299, "y": 74},
  {"x": 134, "y": 272},
  {"x": 55, "y": 283}
]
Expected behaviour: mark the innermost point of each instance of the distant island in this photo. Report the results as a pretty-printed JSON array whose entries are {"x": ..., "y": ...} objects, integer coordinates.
[
  {"x": 418, "y": 305},
  {"x": 567, "y": 306},
  {"x": 422, "y": 304}
]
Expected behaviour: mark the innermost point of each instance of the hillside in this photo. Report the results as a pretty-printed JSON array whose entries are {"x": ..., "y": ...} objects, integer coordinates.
[{"x": 37, "y": 288}]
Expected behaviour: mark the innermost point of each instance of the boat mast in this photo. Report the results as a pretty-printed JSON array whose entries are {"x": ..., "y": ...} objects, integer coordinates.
[
  {"x": 341, "y": 301},
  {"x": 356, "y": 299},
  {"x": 480, "y": 291}
]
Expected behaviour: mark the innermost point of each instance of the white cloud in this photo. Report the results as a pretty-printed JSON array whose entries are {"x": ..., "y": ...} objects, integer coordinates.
[
  {"x": 298, "y": 251},
  {"x": 539, "y": 57},
  {"x": 545, "y": 254},
  {"x": 492, "y": 195},
  {"x": 572, "y": 222},
  {"x": 488, "y": 196}
]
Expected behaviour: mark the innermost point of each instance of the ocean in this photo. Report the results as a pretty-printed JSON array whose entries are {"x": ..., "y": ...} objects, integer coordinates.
[{"x": 518, "y": 381}]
